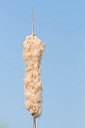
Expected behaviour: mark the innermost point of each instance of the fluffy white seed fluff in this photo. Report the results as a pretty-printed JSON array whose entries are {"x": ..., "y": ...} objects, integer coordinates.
[{"x": 33, "y": 49}]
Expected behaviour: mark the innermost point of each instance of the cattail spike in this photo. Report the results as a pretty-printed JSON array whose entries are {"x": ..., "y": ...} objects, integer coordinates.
[
  {"x": 33, "y": 48},
  {"x": 32, "y": 52}
]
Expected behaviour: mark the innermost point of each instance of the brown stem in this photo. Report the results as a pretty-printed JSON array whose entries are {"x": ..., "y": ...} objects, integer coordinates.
[{"x": 34, "y": 122}]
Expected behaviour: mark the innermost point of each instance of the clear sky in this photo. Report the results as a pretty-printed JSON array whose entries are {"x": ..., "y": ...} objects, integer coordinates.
[{"x": 61, "y": 25}]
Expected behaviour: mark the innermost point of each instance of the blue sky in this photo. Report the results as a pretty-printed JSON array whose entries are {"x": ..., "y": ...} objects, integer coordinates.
[{"x": 61, "y": 25}]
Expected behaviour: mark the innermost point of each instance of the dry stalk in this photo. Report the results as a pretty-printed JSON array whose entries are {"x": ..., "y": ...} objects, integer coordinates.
[{"x": 34, "y": 122}]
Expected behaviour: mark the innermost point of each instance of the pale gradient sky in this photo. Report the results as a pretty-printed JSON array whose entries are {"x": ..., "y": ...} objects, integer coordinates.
[{"x": 61, "y": 25}]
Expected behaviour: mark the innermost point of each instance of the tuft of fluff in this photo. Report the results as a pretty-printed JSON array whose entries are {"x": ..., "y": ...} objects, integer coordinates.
[{"x": 33, "y": 49}]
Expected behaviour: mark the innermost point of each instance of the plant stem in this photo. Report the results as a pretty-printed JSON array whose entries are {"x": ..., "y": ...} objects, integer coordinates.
[{"x": 34, "y": 122}]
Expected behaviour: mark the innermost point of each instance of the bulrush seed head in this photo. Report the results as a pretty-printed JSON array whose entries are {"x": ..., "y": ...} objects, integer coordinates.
[{"x": 33, "y": 49}]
